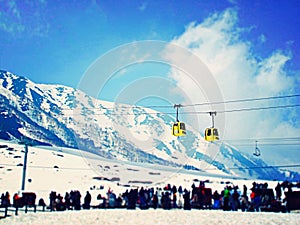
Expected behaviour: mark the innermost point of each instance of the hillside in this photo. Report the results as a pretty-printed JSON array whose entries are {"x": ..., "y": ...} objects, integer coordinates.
[
  {"x": 64, "y": 169},
  {"x": 61, "y": 116}
]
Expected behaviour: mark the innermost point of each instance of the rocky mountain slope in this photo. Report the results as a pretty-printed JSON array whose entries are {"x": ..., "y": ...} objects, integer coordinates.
[{"x": 63, "y": 116}]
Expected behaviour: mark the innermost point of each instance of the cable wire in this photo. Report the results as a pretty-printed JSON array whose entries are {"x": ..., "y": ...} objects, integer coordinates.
[
  {"x": 244, "y": 100},
  {"x": 259, "y": 167},
  {"x": 124, "y": 106},
  {"x": 230, "y": 168},
  {"x": 195, "y": 112}
]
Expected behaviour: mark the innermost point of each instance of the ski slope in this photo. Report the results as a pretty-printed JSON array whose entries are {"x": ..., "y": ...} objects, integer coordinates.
[{"x": 64, "y": 169}]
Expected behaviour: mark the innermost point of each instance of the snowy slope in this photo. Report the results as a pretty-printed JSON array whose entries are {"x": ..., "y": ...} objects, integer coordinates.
[
  {"x": 65, "y": 169},
  {"x": 62, "y": 116}
]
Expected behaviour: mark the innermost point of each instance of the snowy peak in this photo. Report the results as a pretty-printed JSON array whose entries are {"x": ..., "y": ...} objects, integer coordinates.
[{"x": 63, "y": 116}]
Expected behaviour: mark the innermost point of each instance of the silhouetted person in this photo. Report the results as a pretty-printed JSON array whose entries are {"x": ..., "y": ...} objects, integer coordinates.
[
  {"x": 87, "y": 201},
  {"x": 52, "y": 198},
  {"x": 278, "y": 191},
  {"x": 244, "y": 190},
  {"x": 216, "y": 197},
  {"x": 68, "y": 200},
  {"x": 155, "y": 201},
  {"x": 186, "y": 200},
  {"x": 42, "y": 203},
  {"x": 132, "y": 198}
]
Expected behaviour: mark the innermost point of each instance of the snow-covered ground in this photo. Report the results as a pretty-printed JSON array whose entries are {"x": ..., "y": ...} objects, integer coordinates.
[
  {"x": 151, "y": 217},
  {"x": 62, "y": 170}
]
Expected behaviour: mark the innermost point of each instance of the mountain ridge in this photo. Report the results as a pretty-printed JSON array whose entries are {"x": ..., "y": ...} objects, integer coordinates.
[{"x": 64, "y": 116}]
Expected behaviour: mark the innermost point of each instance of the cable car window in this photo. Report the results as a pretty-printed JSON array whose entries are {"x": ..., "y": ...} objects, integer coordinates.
[
  {"x": 182, "y": 126},
  {"x": 208, "y": 132},
  {"x": 216, "y": 132}
]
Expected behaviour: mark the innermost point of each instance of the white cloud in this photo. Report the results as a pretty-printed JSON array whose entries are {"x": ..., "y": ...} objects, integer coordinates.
[
  {"x": 240, "y": 73},
  {"x": 272, "y": 78}
]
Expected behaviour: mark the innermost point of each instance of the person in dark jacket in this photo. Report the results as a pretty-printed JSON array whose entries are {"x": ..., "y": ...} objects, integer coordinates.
[
  {"x": 87, "y": 201},
  {"x": 155, "y": 201},
  {"x": 216, "y": 197},
  {"x": 278, "y": 191},
  {"x": 186, "y": 200},
  {"x": 226, "y": 196}
]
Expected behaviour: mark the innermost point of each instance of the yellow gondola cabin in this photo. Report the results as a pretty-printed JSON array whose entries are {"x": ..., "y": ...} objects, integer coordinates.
[
  {"x": 178, "y": 129},
  {"x": 211, "y": 134}
]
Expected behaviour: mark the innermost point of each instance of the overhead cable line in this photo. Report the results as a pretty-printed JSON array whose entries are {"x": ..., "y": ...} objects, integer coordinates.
[
  {"x": 124, "y": 106},
  {"x": 259, "y": 167},
  {"x": 244, "y": 100},
  {"x": 196, "y": 112},
  {"x": 230, "y": 168},
  {"x": 115, "y": 109},
  {"x": 259, "y": 108},
  {"x": 47, "y": 167},
  {"x": 265, "y": 139},
  {"x": 270, "y": 144},
  {"x": 223, "y": 102}
]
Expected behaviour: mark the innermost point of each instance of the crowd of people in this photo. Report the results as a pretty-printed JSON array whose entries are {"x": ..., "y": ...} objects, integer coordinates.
[
  {"x": 71, "y": 200},
  {"x": 171, "y": 197},
  {"x": 5, "y": 199}
]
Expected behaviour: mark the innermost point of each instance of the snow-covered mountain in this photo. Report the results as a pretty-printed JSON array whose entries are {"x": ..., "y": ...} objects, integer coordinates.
[{"x": 63, "y": 116}]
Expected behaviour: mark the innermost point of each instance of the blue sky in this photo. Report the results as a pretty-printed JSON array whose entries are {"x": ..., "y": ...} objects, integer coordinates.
[
  {"x": 51, "y": 41},
  {"x": 252, "y": 48}
]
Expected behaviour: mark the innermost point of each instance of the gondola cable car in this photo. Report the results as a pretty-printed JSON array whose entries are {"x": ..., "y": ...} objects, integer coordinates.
[
  {"x": 256, "y": 150},
  {"x": 211, "y": 134},
  {"x": 178, "y": 128}
]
